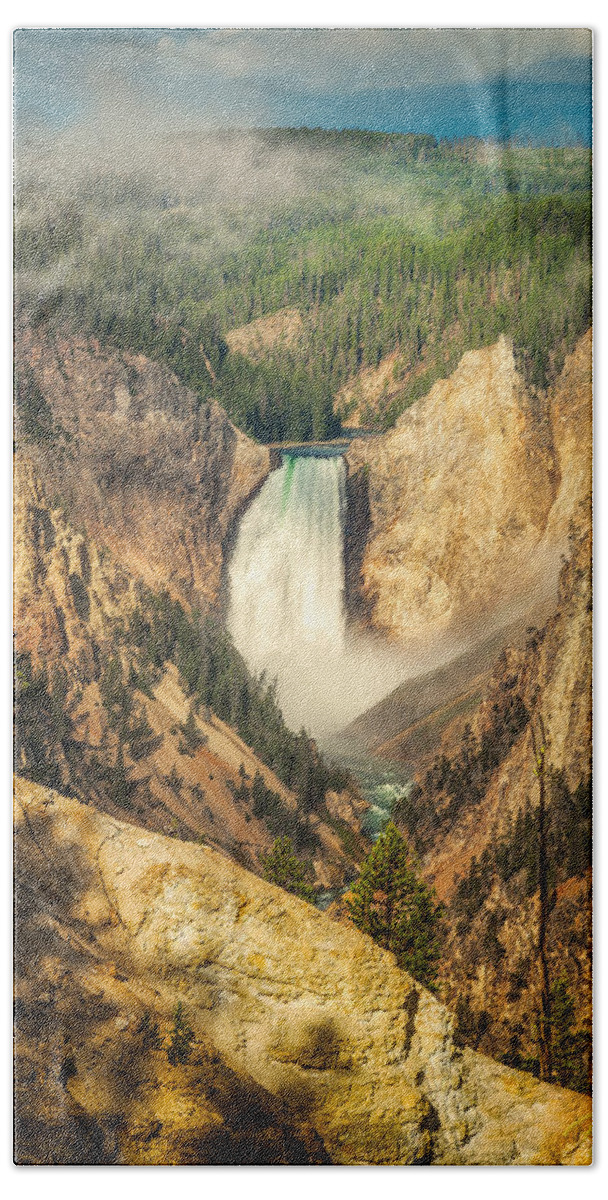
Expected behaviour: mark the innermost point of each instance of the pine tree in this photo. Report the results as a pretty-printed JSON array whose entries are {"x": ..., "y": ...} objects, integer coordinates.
[
  {"x": 570, "y": 1051},
  {"x": 396, "y": 908},
  {"x": 283, "y": 868},
  {"x": 193, "y": 738},
  {"x": 180, "y": 1038},
  {"x": 540, "y": 752}
]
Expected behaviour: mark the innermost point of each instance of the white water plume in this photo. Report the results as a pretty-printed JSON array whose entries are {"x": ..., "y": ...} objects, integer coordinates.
[{"x": 286, "y": 610}]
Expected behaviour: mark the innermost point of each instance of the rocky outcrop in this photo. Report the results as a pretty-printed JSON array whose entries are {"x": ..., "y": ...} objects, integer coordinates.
[
  {"x": 470, "y": 498},
  {"x": 341, "y": 1045},
  {"x": 70, "y": 592},
  {"x": 141, "y": 463}
]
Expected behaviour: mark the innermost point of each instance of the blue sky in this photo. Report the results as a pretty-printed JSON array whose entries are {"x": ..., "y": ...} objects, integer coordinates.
[{"x": 530, "y": 84}]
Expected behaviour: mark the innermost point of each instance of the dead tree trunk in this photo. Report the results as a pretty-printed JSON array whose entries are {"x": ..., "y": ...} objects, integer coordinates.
[{"x": 544, "y": 1040}]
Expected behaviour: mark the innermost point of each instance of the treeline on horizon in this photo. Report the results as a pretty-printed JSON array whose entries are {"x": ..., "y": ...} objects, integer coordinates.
[{"x": 456, "y": 249}]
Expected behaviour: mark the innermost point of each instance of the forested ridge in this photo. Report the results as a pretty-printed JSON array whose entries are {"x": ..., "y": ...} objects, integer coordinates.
[{"x": 404, "y": 247}]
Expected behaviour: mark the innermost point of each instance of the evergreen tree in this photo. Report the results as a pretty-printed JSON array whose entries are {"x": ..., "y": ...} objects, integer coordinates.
[
  {"x": 571, "y": 1052},
  {"x": 42, "y": 723},
  {"x": 283, "y": 868},
  {"x": 192, "y": 737},
  {"x": 180, "y": 1038},
  {"x": 396, "y": 908}
]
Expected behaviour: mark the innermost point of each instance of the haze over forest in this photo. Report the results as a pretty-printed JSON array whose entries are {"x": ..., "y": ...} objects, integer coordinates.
[{"x": 149, "y": 216}]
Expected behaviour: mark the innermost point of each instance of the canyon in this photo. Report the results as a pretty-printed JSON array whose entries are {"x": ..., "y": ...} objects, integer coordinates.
[
  {"x": 465, "y": 526},
  {"x": 150, "y": 471}
]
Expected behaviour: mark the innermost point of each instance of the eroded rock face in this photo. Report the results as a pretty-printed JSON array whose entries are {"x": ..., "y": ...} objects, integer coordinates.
[
  {"x": 469, "y": 821},
  {"x": 553, "y": 678},
  {"x": 350, "y": 1048},
  {"x": 470, "y": 497},
  {"x": 148, "y": 469}
]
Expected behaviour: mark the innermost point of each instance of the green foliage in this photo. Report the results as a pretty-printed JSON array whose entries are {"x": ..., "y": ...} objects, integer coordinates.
[
  {"x": 450, "y": 785},
  {"x": 283, "y": 868},
  {"x": 128, "y": 721},
  {"x": 40, "y": 243},
  {"x": 570, "y": 1050},
  {"x": 193, "y": 739},
  {"x": 80, "y": 595},
  {"x": 366, "y": 289},
  {"x": 569, "y": 827},
  {"x": 117, "y": 697},
  {"x": 148, "y": 1032},
  {"x": 570, "y": 1047},
  {"x": 513, "y": 858},
  {"x": 350, "y": 842},
  {"x": 396, "y": 908},
  {"x": 174, "y": 780},
  {"x": 42, "y": 723},
  {"x": 400, "y": 245},
  {"x": 120, "y": 788},
  {"x": 281, "y": 821},
  {"x": 415, "y": 811},
  {"x": 214, "y": 674},
  {"x": 181, "y": 1038}
]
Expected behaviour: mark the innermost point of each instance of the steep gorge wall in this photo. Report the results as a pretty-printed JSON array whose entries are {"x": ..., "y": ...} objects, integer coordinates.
[
  {"x": 476, "y": 498},
  {"x": 340, "y": 1044},
  {"x": 490, "y": 957},
  {"x": 146, "y": 468},
  {"x": 470, "y": 498}
]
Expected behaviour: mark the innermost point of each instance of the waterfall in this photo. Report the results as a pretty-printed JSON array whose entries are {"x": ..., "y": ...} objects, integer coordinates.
[{"x": 286, "y": 608}]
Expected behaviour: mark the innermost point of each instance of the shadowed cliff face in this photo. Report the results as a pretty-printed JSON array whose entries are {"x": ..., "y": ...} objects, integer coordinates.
[
  {"x": 551, "y": 677},
  {"x": 470, "y": 497},
  {"x": 147, "y": 468},
  {"x": 320, "y": 1018}
]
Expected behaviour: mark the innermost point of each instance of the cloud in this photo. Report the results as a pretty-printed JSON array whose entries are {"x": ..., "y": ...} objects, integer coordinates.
[{"x": 249, "y": 77}]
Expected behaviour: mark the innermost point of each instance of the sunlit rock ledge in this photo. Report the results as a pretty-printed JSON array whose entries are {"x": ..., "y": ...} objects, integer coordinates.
[{"x": 357, "y": 1059}]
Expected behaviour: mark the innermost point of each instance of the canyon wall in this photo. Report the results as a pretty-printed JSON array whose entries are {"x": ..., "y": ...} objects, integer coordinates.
[
  {"x": 310, "y": 1045},
  {"x": 490, "y": 957},
  {"x": 139, "y": 461},
  {"x": 479, "y": 506},
  {"x": 470, "y": 498}
]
